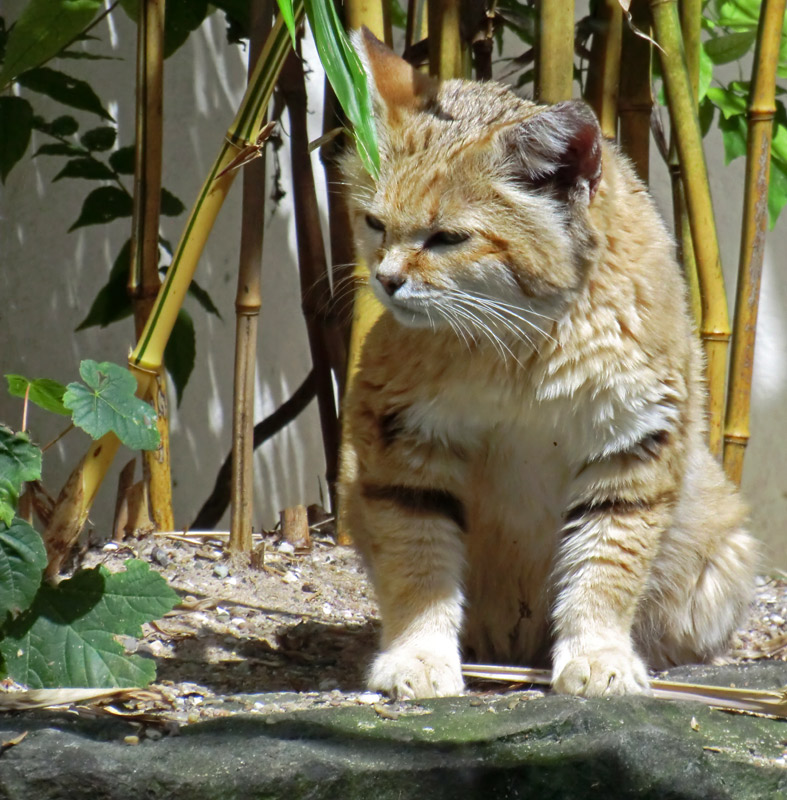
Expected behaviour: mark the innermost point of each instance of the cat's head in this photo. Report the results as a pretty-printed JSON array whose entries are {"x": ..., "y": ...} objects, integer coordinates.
[{"x": 479, "y": 216}]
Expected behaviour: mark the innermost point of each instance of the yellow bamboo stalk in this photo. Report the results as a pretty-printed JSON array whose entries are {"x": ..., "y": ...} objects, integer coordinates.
[
  {"x": 240, "y": 142},
  {"x": 715, "y": 326},
  {"x": 635, "y": 100},
  {"x": 417, "y": 26},
  {"x": 144, "y": 281},
  {"x": 762, "y": 108},
  {"x": 555, "y": 52},
  {"x": 248, "y": 300},
  {"x": 374, "y": 14},
  {"x": 446, "y": 52},
  {"x": 603, "y": 82}
]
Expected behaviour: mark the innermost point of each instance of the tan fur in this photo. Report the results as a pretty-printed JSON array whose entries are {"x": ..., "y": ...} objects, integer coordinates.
[{"x": 530, "y": 478}]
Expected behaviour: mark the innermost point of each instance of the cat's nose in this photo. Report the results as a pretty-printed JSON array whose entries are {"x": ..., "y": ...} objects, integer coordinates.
[{"x": 390, "y": 282}]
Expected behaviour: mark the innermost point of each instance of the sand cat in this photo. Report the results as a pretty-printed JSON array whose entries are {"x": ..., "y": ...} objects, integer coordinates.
[{"x": 525, "y": 468}]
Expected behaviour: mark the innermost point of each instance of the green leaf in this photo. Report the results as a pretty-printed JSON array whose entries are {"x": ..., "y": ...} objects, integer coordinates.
[
  {"x": 705, "y": 76},
  {"x": 777, "y": 189},
  {"x": 64, "y": 89},
  {"x": 103, "y": 205},
  {"x": 99, "y": 139},
  {"x": 285, "y": 9},
  {"x": 20, "y": 461},
  {"x": 203, "y": 298},
  {"x": 59, "y": 149},
  {"x": 730, "y": 47},
  {"x": 86, "y": 167},
  {"x": 112, "y": 302},
  {"x": 44, "y": 392},
  {"x": 122, "y": 160},
  {"x": 733, "y": 132},
  {"x": 181, "y": 352},
  {"x": 16, "y": 125},
  {"x": 706, "y": 113},
  {"x": 22, "y": 562},
  {"x": 108, "y": 403},
  {"x": 68, "y": 636},
  {"x": 171, "y": 206},
  {"x": 730, "y": 103},
  {"x": 181, "y": 18},
  {"x": 44, "y": 28},
  {"x": 398, "y": 14},
  {"x": 64, "y": 126},
  {"x": 346, "y": 75},
  {"x": 739, "y": 14}
]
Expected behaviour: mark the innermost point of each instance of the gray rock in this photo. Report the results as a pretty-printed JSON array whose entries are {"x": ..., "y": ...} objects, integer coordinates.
[{"x": 496, "y": 746}]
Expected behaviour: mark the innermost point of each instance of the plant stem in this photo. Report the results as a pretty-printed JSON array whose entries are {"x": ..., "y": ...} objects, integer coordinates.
[
  {"x": 762, "y": 108},
  {"x": 445, "y": 41},
  {"x": 715, "y": 326},
  {"x": 555, "y": 51},
  {"x": 603, "y": 83}
]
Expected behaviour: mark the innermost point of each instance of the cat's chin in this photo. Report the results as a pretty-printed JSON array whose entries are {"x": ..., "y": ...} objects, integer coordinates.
[{"x": 414, "y": 318}]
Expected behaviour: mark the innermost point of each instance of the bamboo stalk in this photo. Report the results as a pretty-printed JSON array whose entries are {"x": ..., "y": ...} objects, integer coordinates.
[
  {"x": 715, "y": 326},
  {"x": 603, "y": 82},
  {"x": 445, "y": 40},
  {"x": 555, "y": 51},
  {"x": 374, "y": 14},
  {"x": 312, "y": 263},
  {"x": 635, "y": 99},
  {"x": 144, "y": 281},
  {"x": 417, "y": 26},
  {"x": 80, "y": 490},
  {"x": 762, "y": 107},
  {"x": 248, "y": 300}
]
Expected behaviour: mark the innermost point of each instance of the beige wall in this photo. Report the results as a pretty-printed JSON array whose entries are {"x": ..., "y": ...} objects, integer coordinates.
[{"x": 48, "y": 278}]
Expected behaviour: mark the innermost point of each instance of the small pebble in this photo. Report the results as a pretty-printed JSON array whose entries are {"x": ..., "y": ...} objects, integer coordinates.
[
  {"x": 109, "y": 546},
  {"x": 131, "y": 739},
  {"x": 159, "y": 556},
  {"x": 286, "y": 547},
  {"x": 290, "y": 577},
  {"x": 154, "y": 734},
  {"x": 309, "y": 587},
  {"x": 369, "y": 698},
  {"x": 221, "y": 570}
]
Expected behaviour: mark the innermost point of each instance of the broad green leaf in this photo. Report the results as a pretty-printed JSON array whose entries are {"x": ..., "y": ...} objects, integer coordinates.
[
  {"x": 64, "y": 126},
  {"x": 16, "y": 125},
  {"x": 44, "y": 392},
  {"x": 88, "y": 168},
  {"x": 22, "y": 561},
  {"x": 122, "y": 160},
  {"x": 68, "y": 636},
  {"x": 203, "y": 298},
  {"x": 730, "y": 47},
  {"x": 181, "y": 18},
  {"x": 729, "y": 102},
  {"x": 99, "y": 139},
  {"x": 706, "y": 113},
  {"x": 64, "y": 89},
  {"x": 739, "y": 14},
  {"x": 59, "y": 149},
  {"x": 705, "y": 76},
  {"x": 112, "y": 302},
  {"x": 103, "y": 205},
  {"x": 44, "y": 28},
  {"x": 346, "y": 75},
  {"x": 108, "y": 403},
  {"x": 777, "y": 189},
  {"x": 238, "y": 16},
  {"x": 171, "y": 206},
  {"x": 733, "y": 132},
  {"x": 285, "y": 8},
  {"x": 20, "y": 461},
  {"x": 181, "y": 352},
  {"x": 398, "y": 14}
]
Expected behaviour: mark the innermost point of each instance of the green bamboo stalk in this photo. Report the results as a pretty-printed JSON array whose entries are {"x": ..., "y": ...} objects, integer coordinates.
[
  {"x": 635, "y": 100},
  {"x": 446, "y": 51},
  {"x": 144, "y": 281},
  {"x": 603, "y": 82},
  {"x": 78, "y": 494},
  {"x": 714, "y": 327},
  {"x": 555, "y": 51},
  {"x": 762, "y": 107},
  {"x": 248, "y": 300}
]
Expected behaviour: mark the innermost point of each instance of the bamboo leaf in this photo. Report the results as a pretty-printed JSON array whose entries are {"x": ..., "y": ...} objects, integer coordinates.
[
  {"x": 16, "y": 126},
  {"x": 345, "y": 73},
  {"x": 44, "y": 28},
  {"x": 122, "y": 160},
  {"x": 181, "y": 352},
  {"x": 705, "y": 76},
  {"x": 44, "y": 392},
  {"x": 103, "y": 205},
  {"x": 59, "y": 149},
  {"x": 730, "y": 103},
  {"x": 739, "y": 14},
  {"x": 733, "y": 133},
  {"x": 88, "y": 168},
  {"x": 99, "y": 139},
  {"x": 64, "y": 89},
  {"x": 730, "y": 47},
  {"x": 108, "y": 403},
  {"x": 777, "y": 189},
  {"x": 112, "y": 302},
  {"x": 285, "y": 9},
  {"x": 68, "y": 638},
  {"x": 22, "y": 562},
  {"x": 20, "y": 461}
]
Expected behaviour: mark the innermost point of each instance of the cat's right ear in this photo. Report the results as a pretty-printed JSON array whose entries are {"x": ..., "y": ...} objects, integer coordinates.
[{"x": 394, "y": 84}]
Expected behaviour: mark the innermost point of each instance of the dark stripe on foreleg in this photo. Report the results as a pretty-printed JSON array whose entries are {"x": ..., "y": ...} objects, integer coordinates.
[{"x": 429, "y": 501}]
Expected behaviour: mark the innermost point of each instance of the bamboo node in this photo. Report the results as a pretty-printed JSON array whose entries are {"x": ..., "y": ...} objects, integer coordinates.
[
  {"x": 764, "y": 115},
  {"x": 741, "y": 439},
  {"x": 715, "y": 336}
]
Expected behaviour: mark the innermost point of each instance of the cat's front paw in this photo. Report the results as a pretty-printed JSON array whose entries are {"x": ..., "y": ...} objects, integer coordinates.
[
  {"x": 419, "y": 670},
  {"x": 610, "y": 670}
]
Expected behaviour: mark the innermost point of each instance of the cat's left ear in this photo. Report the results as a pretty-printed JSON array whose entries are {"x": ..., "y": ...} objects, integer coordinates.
[
  {"x": 559, "y": 147},
  {"x": 392, "y": 81}
]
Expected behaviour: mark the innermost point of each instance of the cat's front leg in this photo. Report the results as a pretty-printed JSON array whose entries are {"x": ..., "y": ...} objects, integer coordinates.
[{"x": 603, "y": 563}]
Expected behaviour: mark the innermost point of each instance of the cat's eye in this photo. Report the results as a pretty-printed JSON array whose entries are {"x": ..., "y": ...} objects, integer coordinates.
[
  {"x": 375, "y": 223},
  {"x": 444, "y": 238}
]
